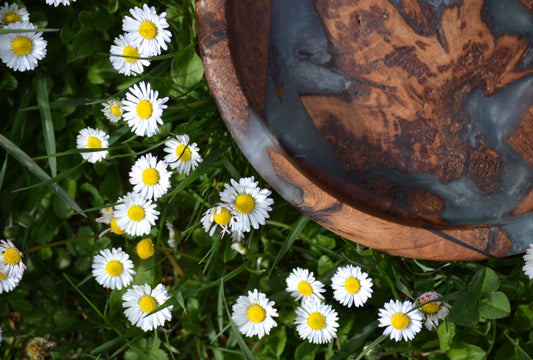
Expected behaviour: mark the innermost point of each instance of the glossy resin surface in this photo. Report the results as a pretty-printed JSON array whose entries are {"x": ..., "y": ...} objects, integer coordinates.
[{"x": 403, "y": 125}]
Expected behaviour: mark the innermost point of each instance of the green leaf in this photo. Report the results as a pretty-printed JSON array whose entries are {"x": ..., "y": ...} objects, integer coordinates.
[
  {"x": 523, "y": 317},
  {"x": 484, "y": 282},
  {"x": 276, "y": 340},
  {"x": 446, "y": 332},
  {"x": 305, "y": 351},
  {"x": 324, "y": 264},
  {"x": 32, "y": 166},
  {"x": 494, "y": 306},
  {"x": 464, "y": 312},
  {"x": 187, "y": 69},
  {"x": 41, "y": 92},
  {"x": 463, "y": 351}
]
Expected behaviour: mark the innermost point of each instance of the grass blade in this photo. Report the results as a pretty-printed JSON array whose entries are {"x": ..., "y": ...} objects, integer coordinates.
[
  {"x": 300, "y": 224},
  {"x": 32, "y": 166},
  {"x": 43, "y": 103}
]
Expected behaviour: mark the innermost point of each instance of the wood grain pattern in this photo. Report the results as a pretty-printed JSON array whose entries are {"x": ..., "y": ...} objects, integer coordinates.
[{"x": 412, "y": 65}]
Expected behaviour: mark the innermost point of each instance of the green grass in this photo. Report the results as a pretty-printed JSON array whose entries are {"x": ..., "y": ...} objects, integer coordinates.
[{"x": 50, "y": 198}]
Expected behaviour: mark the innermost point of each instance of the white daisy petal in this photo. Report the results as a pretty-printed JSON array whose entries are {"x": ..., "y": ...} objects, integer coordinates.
[
  {"x": 253, "y": 314},
  {"x": 181, "y": 155},
  {"x": 351, "y": 286},
  {"x": 107, "y": 214},
  {"x": 113, "y": 269},
  {"x": 59, "y": 2},
  {"x": 399, "y": 320},
  {"x": 146, "y": 30},
  {"x": 11, "y": 13},
  {"x": 316, "y": 322},
  {"x": 90, "y": 138},
  {"x": 11, "y": 259},
  {"x": 432, "y": 311},
  {"x": 113, "y": 110},
  {"x": 135, "y": 215},
  {"x": 150, "y": 177},
  {"x": 250, "y": 203},
  {"x": 22, "y": 51},
  {"x": 528, "y": 262},
  {"x": 8, "y": 282},
  {"x": 127, "y": 59},
  {"x": 143, "y": 109},
  {"x": 301, "y": 284},
  {"x": 141, "y": 300}
]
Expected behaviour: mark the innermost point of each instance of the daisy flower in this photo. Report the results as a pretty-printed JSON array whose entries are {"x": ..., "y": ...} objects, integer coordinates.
[
  {"x": 127, "y": 59},
  {"x": 8, "y": 283},
  {"x": 433, "y": 311},
  {"x": 107, "y": 214},
  {"x": 113, "y": 110},
  {"x": 113, "y": 269},
  {"x": 219, "y": 216},
  {"x": 22, "y": 51},
  {"x": 316, "y": 322},
  {"x": 11, "y": 259},
  {"x": 145, "y": 249},
  {"x": 528, "y": 262},
  {"x": 250, "y": 204},
  {"x": 135, "y": 214},
  {"x": 141, "y": 300},
  {"x": 143, "y": 109},
  {"x": 351, "y": 286},
  {"x": 150, "y": 177},
  {"x": 115, "y": 228},
  {"x": 146, "y": 30},
  {"x": 171, "y": 235},
  {"x": 182, "y": 156},
  {"x": 253, "y": 314},
  {"x": 240, "y": 248},
  {"x": 301, "y": 284},
  {"x": 12, "y": 14},
  {"x": 399, "y": 321},
  {"x": 90, "y": 138},
  {"x": 58, "y": 2}
]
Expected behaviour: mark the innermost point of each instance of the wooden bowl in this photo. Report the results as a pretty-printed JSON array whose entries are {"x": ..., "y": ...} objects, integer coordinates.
[{"x": 405, "y": 126}]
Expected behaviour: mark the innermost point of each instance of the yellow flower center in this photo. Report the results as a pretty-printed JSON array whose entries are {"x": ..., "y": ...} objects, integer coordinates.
[
  {"x": 115, "y": 228},
  {"x": 94, "y": 143},
  {"x": 130, "y": 54},
  {"x": 144, "y": 109},
  {"x": 12, "y": 256},
  {"x": 352, "y": 285},
  {"x": 147, "y": 304},
  {"x": 11, "y": 17},
  {"x": 316, "y": 321},
  {"x": 21, "y": 46},
  {"x": 148, "y": 30},
  {"x": 150, "y": 176},
  {"x": 145, "y": 248},
  {"x": 34, "y": 349},
  {"x": 115, "y": 110},
  {"x": 304, "y": 288},
  {"x": 136, "y": 213},
  {"x": 244, "y": 203},
  {"x": 183, "y": 153},
  {"x": 431, "y": 308},
  {"x": 223, "y": 217},
  {"x": 2, "y": 276},
  {"x": 256, "y": 313},
  {"x": 114, "y": 268},
  {"x": 400, "y": 321}
]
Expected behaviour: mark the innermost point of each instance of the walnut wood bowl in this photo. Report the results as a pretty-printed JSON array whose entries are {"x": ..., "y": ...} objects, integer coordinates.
[{"x": 403, "y": 125}]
